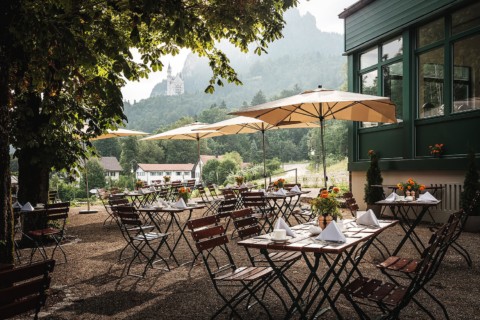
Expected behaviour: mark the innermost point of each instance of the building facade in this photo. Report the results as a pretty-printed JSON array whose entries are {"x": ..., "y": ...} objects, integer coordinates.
[
  {"x": 175, "y": 84},
  {"x": 154, "y": 173},
  {"x": 425, "y": 56},
  {"x": 112, "y": 167}
]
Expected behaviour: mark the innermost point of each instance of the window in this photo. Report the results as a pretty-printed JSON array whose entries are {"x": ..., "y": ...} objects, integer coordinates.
[
  {"x": 168, "y": 173},
  {"x": 466, "y": 18},
  {"x": 178, "y": 173},
  {"x": 390, "y": 83},
  {"x": 430, "y": 33},
  {"x": 431, "y": 83},
  {"x": 187, "y": 173},
  {"x": 466, "y": 74}
]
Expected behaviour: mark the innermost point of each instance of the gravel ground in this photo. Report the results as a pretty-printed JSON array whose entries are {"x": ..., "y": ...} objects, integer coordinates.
[{"x": 92, "y": 285}]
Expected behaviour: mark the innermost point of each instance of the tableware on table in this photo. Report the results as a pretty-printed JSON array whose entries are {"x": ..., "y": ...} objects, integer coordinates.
[
  {"x": 314, "y": 230},
  {"x": 295, "y": 189},
  {"x": 341, "y": 225},
  {"x": 17, "y": 205},
  {"x": 400, "y": 198},
  {"x": 332, "y": 233},
  {"x": 409, "y": 198},
  {"x": 391, "y": 197},
  {"x": 281, "y": 224},
  {"x": 27, "y": 207},
  {"x": 180, "y": 204},
  {"x": 427, "y": 196},
  {"x": 367, "y": 219},
  {"x": 282, "y": 240},
  {"x": 279, "y": 234}
]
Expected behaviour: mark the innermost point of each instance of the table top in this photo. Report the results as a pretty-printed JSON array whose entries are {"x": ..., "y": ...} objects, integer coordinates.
[
  {"x": 408, "y": 203},
  {"x": 305, "y": 242},
  {"x": 171, "y": 209}
]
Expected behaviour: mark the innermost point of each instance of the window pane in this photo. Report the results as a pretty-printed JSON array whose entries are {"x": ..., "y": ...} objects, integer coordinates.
[
  {"x": 369, "y": 86},
  {"x": 430, "y": 84},
  {"x": 393, "y": 85},
  {"x": 466, "y": 18},
  {"x": 392, "y": 49},
  {"x": 466, "y": 74},
  {"x": 369, "y": 58},
  {"x": 430, "y": 33}
]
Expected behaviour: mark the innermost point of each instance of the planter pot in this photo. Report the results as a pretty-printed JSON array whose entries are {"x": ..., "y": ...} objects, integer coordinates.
[
  {"x": 377, "y": 209},
  {"x": 472, "y": 224}
]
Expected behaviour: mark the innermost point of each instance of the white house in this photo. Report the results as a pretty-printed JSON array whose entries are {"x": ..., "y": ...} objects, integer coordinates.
[
  {"x": 112, "y": 167},
  {"x": 153, "y": 172}
]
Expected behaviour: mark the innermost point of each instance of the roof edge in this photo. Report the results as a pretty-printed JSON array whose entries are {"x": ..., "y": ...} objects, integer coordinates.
[{"x": 354, "y": 8}]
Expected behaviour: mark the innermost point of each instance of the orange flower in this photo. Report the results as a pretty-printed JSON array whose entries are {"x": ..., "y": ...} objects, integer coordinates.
[
  {"x": 324, "y": 194},
  {"x": 422, "y": 187},
  {"x": 336, "y": 189},
  {"x": 409, "y": 187}
]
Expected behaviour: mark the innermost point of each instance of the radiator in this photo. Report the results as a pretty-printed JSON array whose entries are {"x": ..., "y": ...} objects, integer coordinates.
[{"x": 450, "y": 196}]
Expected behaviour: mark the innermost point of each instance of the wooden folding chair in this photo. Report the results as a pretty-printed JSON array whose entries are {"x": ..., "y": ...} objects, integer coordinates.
[
  {"x": 55, "y": 215},
  {"x": 211, "y": 243},
  {"x": 24, "y": 288},
  {"x": 142, "y": 239},
  {"x": 392, "y": 297},
  {"x": 211, "y": 204},
  {"x": 262, "y": 209},
  {"x": 227, "y": 205}
]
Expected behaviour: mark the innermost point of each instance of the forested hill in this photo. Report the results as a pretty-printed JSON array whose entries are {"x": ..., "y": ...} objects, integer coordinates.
[{"x": 305, "y": 57}]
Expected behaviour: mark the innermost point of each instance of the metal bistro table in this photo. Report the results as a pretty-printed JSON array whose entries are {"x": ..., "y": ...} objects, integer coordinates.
[
  {"x": 141, "y": 199},
  {"x": 340, "y": 259},
  {"x": 401, "y": 210},
  {"x": 175, "y": 221},
  {"x": 283, "y": 205}
]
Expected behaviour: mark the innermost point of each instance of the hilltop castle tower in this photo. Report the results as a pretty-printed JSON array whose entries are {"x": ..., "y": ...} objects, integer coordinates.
[{"x": 175, "y": 84}]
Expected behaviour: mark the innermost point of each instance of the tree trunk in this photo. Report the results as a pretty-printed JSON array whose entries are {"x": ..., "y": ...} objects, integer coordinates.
[
  {"x": 6, "y": 214},
  {"x": 33, "y": 178}
]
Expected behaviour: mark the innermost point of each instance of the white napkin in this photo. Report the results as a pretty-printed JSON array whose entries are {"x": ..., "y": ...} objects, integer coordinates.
[
  {"x": 243, "y": 185},
  {"x": 295, "y": 189},
  {"x": 281, "y": 224},
  {"x": 17, "y": 205},
  {"x": 263, "y": 190},
  {"x": 152, "y": 188},
  {"x": 27, "y": 207},
  {"x": 281, "y": 192},
  {"x": 427, "y": 196},
  {"x": 125, "y": 190},
  {"x": 332, "y": 233},
  {"x": 145, "y": 190},
  {"x": 314, "y": 230},
  {"x": 391, "y": 197},
  {"x": 367, "y": 219},
  {"x": 180, "y": 204}
]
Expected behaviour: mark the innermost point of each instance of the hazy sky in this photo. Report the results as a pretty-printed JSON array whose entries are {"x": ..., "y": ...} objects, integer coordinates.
[{"x": 325, "y": 12}]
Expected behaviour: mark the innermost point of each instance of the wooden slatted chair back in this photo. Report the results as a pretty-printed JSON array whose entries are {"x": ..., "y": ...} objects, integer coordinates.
[
  {"x": 213, "y": 191},
  {"x": 128, "y": 216},
  {"x": 202, "y": 223},
  {"x": 24, "y": 288},
  {"x": 227, "y": 205},
  {"x": 245, "y": 223}
]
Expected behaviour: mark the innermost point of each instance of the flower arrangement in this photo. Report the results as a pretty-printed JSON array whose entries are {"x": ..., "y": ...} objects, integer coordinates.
[
  {"x": 279, "y": 183},
  {"x": 184, "y": 193},
  {"x": 326, "y": 204},
  {"x": 166, "y": 178},
  {"x": 436, "y": 150},
  {"x": 239, "y": 180},
  {"x": 410, "y": 185},
  {"x": 139, "y": 184}
]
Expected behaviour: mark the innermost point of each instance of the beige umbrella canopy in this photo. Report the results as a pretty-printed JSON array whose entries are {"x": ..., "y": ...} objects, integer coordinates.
[
  {"x": 187, "y": 132},
  {"x": 107, "y": 135},
  {"x": 242, "y": 124},
  {"x": 320, "y": 105}
]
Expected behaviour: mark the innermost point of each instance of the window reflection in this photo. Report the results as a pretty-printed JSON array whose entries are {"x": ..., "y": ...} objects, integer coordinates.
[
  {"x": 430, "y": 84},
  {"x": 466, "y": 18},
  {"x": 430, "y": 33},
  {"x": 393, "y": 85},
  {"x": 466, "y": 74},
  {"x": 369, "y": 58},
  {"x": 392, "y": 49},
  {"x": 369, "y": 86}
]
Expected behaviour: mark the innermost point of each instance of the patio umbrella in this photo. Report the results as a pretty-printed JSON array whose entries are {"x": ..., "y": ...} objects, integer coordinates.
[
  {"x": 107, "y": 135},
  {"x": 323, "y": 104},
  {"x": 187, "y": 132},
  {"x": 242, "y": 124}
]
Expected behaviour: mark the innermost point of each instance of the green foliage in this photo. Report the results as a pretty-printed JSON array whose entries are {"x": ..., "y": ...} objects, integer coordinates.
[
  {"x": 96, "y": 175},
  {"x": 273, "y": 165},
  {"x": 210, "y": 171},
  {"x": 128, "y": 157},
  {"x": 226, "y": 168},
  {"x": 258, "y": 98},
  {"x": 471, "y": 185},
  {"x": 108, "y": 147},
  {"x": 374, "y": 176}
]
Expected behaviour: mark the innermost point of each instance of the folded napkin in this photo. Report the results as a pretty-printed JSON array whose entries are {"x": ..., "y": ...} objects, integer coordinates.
[
  {"x": 17, "y": 205},
  {"x": 391, "y": 197},
  {"x": 243, "y": 185},
  {"x": 295, "y": 189},
  {"x": 27, "y": 207},
  {"x": 367, "y": 219},
  {"x": 332, "y": 233},
  {"x": 152, "y": 188},
  {"x": 314, "y": 230},
  {"x": 125, "y": 190},
  {"x": 263, "y": 190},
  {"x": 281, "y": 224},
  {"x": 281, "y": 192},
  {"x": 145, "y": 190},
  {"x": 427, "y": 196},
  {"x": 180, "y": 204}
]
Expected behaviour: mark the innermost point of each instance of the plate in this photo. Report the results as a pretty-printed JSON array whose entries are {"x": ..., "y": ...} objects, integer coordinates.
[{"x": 281, "y": 241}]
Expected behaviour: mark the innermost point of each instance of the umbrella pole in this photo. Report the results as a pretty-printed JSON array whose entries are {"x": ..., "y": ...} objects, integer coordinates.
[
  {"x": 199, "y": 161},
  {"x": 264, "y": 161},
  {"x": 88, "y": 191},
  {"x": 324, "y": 162}
]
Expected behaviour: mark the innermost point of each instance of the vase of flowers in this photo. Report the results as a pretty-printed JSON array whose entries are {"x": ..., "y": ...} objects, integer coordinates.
[
  {"x": 436, "y": 150},
  {"x": 138, "y": 184},
  {"x": 184, "y": 193},
  {"x": 279, "y": 184},
  {"x": 239, "y": 180},
  {"x": 411, "y": 187},
  {"x": 325, "y": 206},
  {"x": 166, "y": 179}
]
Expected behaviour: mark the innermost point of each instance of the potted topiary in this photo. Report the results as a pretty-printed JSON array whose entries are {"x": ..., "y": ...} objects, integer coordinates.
[
  {"x": 374, "y": 177},
  {"x": 470, "y": 186}
]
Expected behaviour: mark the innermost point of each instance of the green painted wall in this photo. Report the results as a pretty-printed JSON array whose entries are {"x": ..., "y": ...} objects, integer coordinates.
[
  {"x": 388, "y": 143},
  {"x": 381, "y": 17}
]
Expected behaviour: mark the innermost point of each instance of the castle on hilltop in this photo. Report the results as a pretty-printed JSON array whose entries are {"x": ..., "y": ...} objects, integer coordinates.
[{"x": 175, "y": 84}]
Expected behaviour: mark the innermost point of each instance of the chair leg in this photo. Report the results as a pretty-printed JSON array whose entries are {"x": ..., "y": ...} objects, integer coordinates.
[{"x": 463, "y": 252}]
